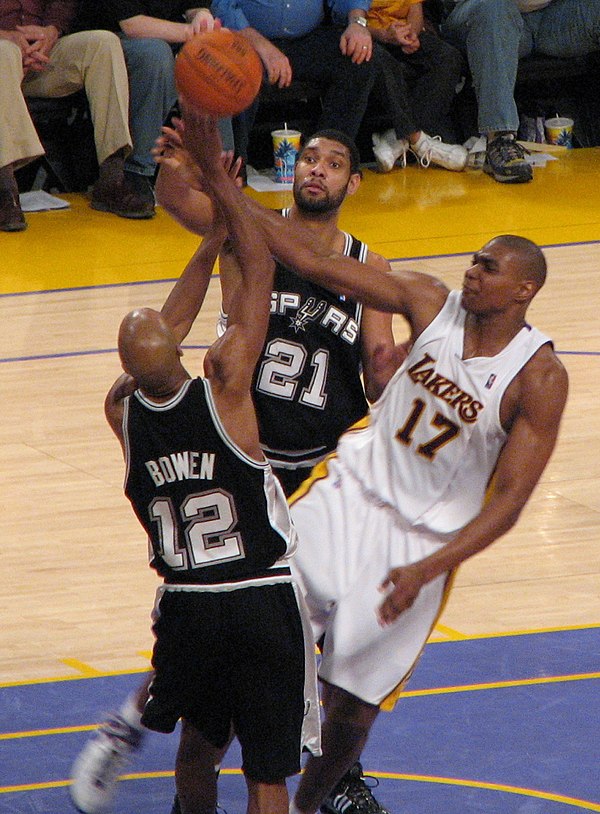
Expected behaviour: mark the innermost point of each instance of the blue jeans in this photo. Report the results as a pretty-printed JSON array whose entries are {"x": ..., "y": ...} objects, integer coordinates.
[
  {"x": 494, "y": 35},
  {"x": 152, "y": 94}
]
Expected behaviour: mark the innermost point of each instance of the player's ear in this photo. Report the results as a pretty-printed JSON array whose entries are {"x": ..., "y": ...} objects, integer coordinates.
[
  {"x": 525, "y": 291},
  {"x": 353, "y": 183}
]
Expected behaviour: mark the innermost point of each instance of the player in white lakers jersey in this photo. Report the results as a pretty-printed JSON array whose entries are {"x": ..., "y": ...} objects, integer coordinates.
[{"x": 385, "y": 521}]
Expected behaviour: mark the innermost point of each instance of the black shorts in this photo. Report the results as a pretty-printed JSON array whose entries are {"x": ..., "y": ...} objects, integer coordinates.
[{"x": 233, "y": 657}]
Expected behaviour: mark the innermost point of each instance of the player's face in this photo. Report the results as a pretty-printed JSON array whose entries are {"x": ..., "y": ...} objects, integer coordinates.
[
  {"x": 493, "y": 282},
  {"x": 322, "y": 177}
]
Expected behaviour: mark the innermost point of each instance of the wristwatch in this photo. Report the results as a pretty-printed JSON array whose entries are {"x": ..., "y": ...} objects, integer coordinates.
[{"x": 360, "y": 21}]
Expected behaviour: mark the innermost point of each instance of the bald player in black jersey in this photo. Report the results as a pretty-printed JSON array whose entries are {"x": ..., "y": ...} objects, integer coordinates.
[
  {"x": 323, "y": 357},
  {"x": 230, "y": 649}
]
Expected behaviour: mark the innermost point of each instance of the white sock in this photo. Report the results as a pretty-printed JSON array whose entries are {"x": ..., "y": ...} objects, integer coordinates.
[{"x": 130, "y": 713}]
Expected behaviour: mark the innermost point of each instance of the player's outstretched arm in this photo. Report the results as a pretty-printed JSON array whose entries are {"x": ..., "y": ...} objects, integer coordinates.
[
  {"x": 187, "y": 295},
  {"x": 237, "y": 351},
  {"x": 418, "y": 297}
]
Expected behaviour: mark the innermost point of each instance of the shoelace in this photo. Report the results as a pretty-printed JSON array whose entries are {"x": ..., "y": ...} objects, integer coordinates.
[
  {"x": 425, "y": 159},
  {"x": 359, "y": 791},
  {"x": 507, "y": 150}
]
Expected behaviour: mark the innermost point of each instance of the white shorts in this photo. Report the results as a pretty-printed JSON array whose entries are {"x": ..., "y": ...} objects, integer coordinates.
[{"x": 348, "y": 542}]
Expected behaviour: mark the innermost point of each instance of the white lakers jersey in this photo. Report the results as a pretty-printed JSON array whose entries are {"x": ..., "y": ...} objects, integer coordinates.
[{"x": 433, "y": 439}]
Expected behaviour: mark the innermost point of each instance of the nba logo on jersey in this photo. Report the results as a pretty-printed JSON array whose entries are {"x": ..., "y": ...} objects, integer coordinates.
[{"x": 490, "y": 382}]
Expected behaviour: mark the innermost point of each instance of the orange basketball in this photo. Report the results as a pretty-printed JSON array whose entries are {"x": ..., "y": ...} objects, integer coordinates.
[{"x": 219, "y": 72}]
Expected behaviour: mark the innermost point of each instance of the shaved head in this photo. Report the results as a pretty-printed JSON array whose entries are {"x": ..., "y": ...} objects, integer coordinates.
[
  {"x": 148, "y": 351},
  {"x": 531, "y": 260}
]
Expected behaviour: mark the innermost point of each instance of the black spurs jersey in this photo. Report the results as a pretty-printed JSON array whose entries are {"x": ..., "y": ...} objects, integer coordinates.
[
  {"x": 212, "y": 513},
  {"x": 307, "y": 384}
]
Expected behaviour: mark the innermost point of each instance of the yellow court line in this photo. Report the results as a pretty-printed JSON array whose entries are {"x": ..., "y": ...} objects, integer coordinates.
[
  {"x": 87, "y": 671},
  {"x": 55, "y": 679},
  {"x": 477, "y": 784},
  {"x": 449, "y": 632},
  {"x": 534, "y": 632},
  {"x": 524, "y": 682},
  {"x": 588, "y": 805},
  {"x": 39, "y": 733},
  {"x": 496, "y": 685}
]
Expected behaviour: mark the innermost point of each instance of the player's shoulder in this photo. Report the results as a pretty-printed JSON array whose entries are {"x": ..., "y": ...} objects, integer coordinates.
[
  {"x": 545, "y": 361},
  {"x": 544, "y": 378},
  {"x": 377, "y": 261}
]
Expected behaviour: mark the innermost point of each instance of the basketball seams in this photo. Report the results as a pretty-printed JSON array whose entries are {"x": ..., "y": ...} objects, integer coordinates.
[{"x": 219, "y": 71}]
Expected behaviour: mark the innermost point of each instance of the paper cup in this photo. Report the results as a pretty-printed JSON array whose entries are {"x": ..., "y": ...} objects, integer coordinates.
[
  {"x": 559, "y": 131},
  {"x": 286, "y": 146}
]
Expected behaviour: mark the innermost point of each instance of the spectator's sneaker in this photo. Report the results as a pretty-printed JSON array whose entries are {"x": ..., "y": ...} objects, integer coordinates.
[
  {"x": 432, "y": 150},
  {"x": 353, "y": 796},
  {"x": 505, "y": 160},
  {"x": 120, "y": 197},
  {"x": 387, "y": 149},
  {"x": 97, "y": 768}
]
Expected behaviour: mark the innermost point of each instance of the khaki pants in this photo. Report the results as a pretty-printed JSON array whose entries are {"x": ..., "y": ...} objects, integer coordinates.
[{"x": 92, "y": 60}]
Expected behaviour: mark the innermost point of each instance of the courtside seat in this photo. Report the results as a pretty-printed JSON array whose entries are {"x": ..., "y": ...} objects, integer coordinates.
[{"x": 65, "y": 130}]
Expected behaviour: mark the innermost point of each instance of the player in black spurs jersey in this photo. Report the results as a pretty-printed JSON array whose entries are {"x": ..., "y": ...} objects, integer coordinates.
[
  {"x": 321, "y": 361},
  {"x": 220, "y": 530}
]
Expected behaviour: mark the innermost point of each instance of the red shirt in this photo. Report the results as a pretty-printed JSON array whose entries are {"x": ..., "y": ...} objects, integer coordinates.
[{"x": 59, "y": 13}]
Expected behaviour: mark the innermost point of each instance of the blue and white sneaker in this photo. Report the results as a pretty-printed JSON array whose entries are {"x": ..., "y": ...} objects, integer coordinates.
[{"x": 97, "y": 768}]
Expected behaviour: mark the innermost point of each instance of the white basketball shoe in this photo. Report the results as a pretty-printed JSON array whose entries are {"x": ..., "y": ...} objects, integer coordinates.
[{"x": 97, "y": 768}]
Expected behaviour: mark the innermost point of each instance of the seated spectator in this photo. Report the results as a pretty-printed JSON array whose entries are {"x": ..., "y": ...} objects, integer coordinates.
[
  {"x": 151, "y": 33},
  {"x": 294, "y": 40},
  {"x": 494, "y": 34},
  {"x": 421, "y": 94},
  {"x": 39, "y": 58}
]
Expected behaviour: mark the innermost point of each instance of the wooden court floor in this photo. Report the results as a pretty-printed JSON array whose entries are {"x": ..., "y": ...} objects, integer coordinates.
[{"x": 77, "y": 592}]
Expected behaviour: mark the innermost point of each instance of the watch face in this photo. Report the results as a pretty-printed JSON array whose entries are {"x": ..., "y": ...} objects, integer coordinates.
[{"x": 361, "y": 21}]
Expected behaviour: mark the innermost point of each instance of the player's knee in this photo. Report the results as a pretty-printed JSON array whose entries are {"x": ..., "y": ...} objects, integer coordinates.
[{"x": 344, "y": 710}]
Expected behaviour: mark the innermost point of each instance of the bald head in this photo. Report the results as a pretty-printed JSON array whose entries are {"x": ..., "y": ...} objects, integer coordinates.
[
  {"x": 148, "y": 351},
  {"x": 530, "y": 259}
]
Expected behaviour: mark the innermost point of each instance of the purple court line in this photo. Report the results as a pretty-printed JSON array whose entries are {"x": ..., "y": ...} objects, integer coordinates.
[
  {"x": 464, "y": 254},
  {"x": 89, "y": 287},
  {"x": 204, "y": 347},
  {"x": 74, "y": 353},
  {"x": 99, "y": 351},
  {"x": 173, "y": 279}
]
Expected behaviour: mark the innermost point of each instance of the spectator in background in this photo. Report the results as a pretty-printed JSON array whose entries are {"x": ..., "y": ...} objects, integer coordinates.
[
  {"x": 294, "y": 40},
  {"x": 38, "y": 57},
  {"x": 494, "y": 34},
  {"x": 431, "y": 72},
  {"x": 151, "y": 33}
]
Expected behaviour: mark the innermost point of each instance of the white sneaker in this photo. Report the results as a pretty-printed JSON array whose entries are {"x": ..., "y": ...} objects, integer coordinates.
[
  {"x": 432, "y": 150},
  {"x": 97, "y": 767},
  {"x": 387, "y": 149}
]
